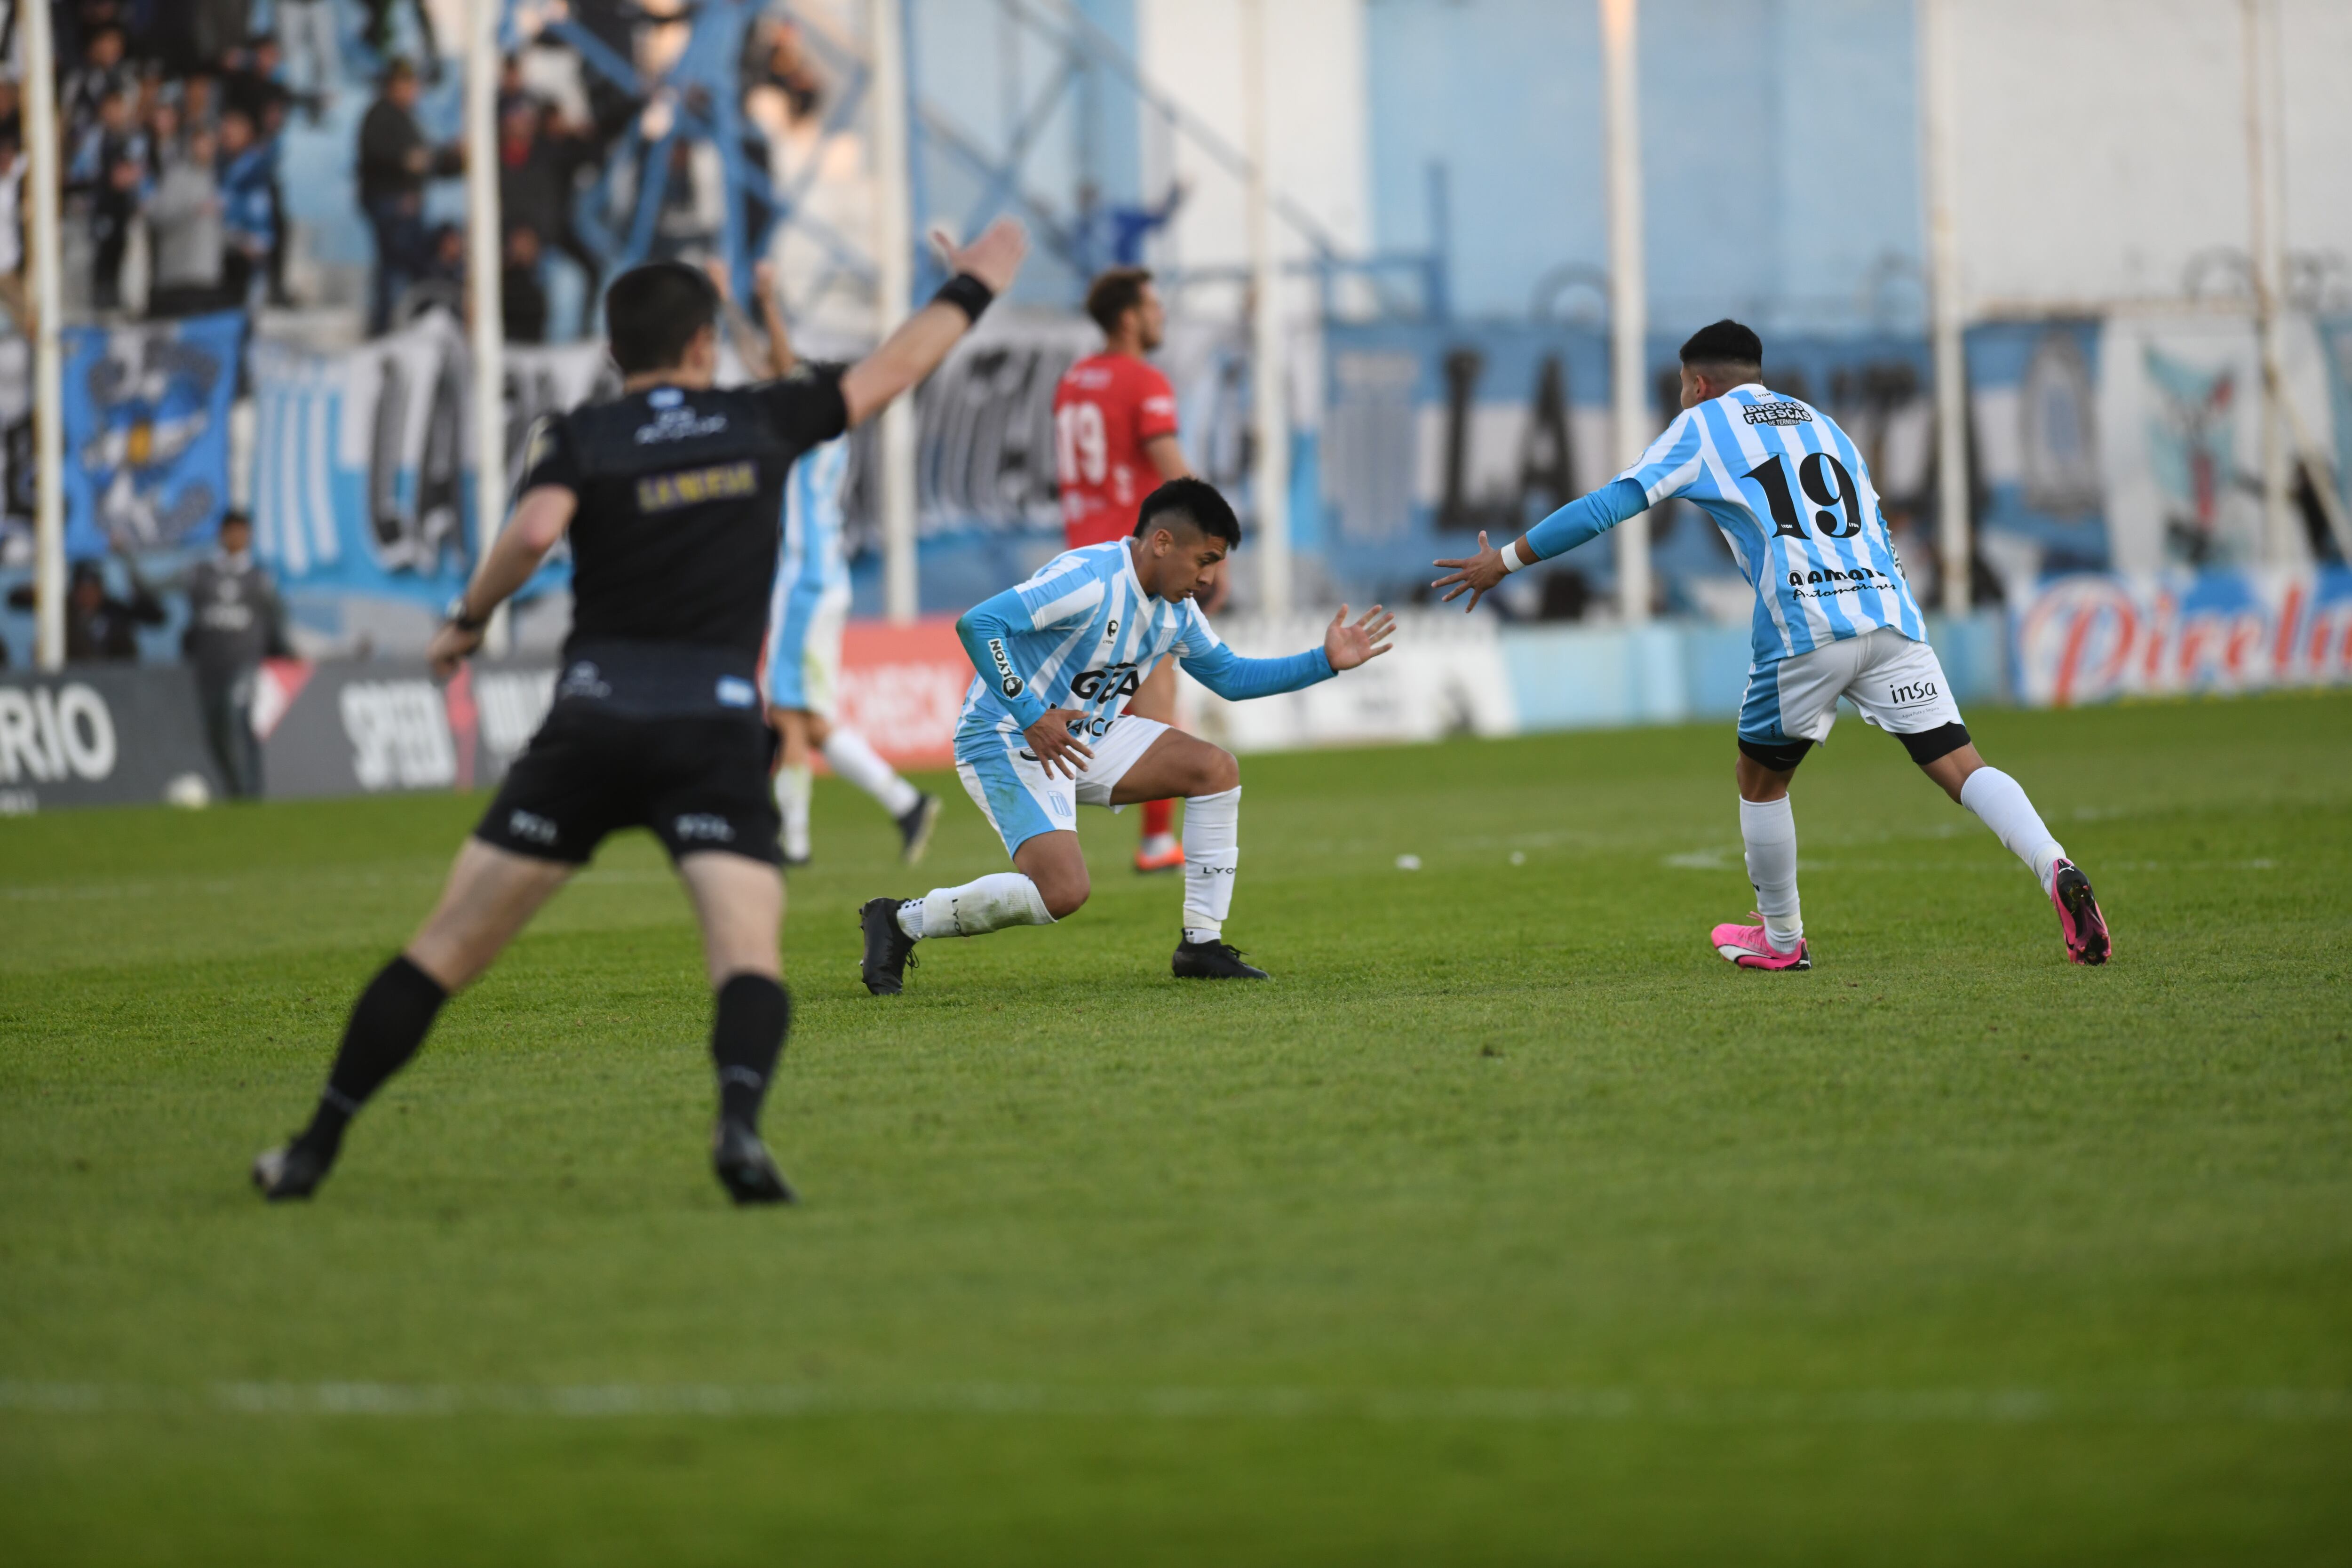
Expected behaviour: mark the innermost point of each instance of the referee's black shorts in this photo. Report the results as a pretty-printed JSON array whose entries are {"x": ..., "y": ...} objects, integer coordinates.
[{"x": 699, "y": 782}]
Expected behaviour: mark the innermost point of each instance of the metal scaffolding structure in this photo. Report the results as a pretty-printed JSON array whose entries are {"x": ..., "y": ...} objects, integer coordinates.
[{"x": 957, "y": 174}]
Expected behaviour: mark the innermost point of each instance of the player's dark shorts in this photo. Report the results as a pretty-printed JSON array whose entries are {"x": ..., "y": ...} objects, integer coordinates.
[{"x": 699, "y": 781}]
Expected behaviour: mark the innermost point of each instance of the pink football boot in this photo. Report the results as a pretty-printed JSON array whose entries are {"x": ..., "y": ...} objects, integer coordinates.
[
  {"x": 2079, "y": 920},
  {"x": 1750, "y": 948}
]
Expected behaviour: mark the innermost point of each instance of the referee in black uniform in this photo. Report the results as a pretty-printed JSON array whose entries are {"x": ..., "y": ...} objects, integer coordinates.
[{"x": 671, "y": 495}]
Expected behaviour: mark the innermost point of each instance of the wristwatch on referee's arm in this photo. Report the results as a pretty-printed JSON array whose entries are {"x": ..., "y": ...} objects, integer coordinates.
[{"x": 457, "y": 616}]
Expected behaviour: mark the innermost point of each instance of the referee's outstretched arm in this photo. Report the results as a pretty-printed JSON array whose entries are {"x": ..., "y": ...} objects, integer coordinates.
[
  {"x": 978, "y": 273},
  {"x": 539, "y": 517}
]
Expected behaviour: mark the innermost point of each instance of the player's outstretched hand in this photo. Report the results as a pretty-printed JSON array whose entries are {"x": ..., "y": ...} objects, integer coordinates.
[
  {"x": 994, "y": 257},
  {"x": 1056, "y": 748},
  {"x": 450, "y": 648},
  {"x": 1349, "y": 646},
  {"x": 1476, "y": 575}
]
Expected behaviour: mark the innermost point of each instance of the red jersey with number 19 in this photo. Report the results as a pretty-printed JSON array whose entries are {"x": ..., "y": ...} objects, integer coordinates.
[{"x": 1104, "y": 409}]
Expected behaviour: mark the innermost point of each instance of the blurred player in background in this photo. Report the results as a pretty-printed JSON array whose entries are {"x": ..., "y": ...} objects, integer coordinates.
[
  {"x": 1045, "y": 731},
  {"x": 800, "y": 663},
  {"x": 1114, "y": 443},
  {"x": 1834, "y": 618}
]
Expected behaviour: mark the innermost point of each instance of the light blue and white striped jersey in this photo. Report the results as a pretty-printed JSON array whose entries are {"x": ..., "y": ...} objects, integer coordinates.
[
  {"x": 1794, "y": 501},
  {"x": 1082, "y": 634},
  {"x": 810, "y": 563}
]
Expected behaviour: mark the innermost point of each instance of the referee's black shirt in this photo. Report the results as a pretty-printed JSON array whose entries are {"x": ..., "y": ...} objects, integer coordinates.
[{"x": 680, "y": 509}]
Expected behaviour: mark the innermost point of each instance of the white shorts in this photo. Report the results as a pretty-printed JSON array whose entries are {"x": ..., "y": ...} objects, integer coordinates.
[
  {"x": 802, "y": 665},
  {"x": 1898, "y": 684},
  {"x": 1022, "y": 800}
]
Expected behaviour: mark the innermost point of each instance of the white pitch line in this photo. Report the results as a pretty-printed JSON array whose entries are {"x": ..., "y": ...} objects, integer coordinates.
[{"x": 1926, "y": 1406}]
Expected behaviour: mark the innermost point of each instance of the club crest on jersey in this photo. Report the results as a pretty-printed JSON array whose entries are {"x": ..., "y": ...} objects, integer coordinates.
[
  {"x": 583, "y": 679},
  {"x": 679, "y": 424},
  {"x": 1008, "y": 680},
  {"x": 1783, "y": 413}
]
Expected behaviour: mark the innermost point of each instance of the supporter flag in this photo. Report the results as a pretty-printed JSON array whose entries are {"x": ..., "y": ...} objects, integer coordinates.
[{"x": 146, "y": 432}]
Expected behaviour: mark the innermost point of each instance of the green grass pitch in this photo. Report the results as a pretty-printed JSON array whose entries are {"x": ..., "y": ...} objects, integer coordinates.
[{"x": 1507, "y": 1224}]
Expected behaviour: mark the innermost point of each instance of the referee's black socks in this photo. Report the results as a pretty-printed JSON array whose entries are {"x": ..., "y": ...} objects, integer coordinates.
[
  {"x": 747, "y": 1037},
  {"x": 388, "y": 1023}
]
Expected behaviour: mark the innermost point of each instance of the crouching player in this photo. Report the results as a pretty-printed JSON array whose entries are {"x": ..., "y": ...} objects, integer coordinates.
[
  {"x": 1834, "y": 618},
  {"x": 1043, "y": 731}
]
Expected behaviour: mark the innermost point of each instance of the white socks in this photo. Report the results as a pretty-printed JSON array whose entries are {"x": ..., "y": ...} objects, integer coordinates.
[
  {"x": 855, "y": 761},
  {"x": 1999, "y": 803},
  {"x": 793, "y": 786},
  {"x": 1211, "y": 830},
  {"x": 1768, "y": 830},
  {"x": 1000, "y": 899}
]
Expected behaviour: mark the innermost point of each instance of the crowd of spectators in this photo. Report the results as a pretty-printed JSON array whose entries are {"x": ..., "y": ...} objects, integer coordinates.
[{"x": 171, "y": 118}]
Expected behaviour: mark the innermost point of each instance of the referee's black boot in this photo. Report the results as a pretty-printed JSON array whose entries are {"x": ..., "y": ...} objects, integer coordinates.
[
  {"x": 1212, "y": 961},
  {"x": 294, "y": 1171},
  {"x": 744, "y": 1168},
  {"x": 889, "y": 949}
]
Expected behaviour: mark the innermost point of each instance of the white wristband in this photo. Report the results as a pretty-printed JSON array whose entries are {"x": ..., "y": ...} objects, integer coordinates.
[{"x": 1511, "y": 562}]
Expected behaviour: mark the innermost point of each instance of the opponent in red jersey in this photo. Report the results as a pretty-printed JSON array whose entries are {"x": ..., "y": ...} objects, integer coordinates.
[{"x": 1114, "y": 442}]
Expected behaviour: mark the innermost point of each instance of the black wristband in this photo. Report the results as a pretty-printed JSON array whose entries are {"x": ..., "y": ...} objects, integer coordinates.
[{"x": 966, "y": 294}]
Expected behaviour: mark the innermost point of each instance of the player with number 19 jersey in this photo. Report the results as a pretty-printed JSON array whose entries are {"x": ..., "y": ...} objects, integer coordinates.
[
  {"x": 1834, "y": 621},
  {"x": 1795, "y": 503},
  {"x": 1104, "y": 409}
]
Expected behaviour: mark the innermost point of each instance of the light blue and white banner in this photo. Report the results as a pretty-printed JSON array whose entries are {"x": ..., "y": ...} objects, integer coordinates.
[
  {"x": 358, "y": 475},
  {"x": 363, "y": 477}
]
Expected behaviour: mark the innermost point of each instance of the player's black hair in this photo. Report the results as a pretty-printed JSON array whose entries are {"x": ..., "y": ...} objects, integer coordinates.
[
  {"x": 1198, "y": 502},
  {"x": 651, "y": 313},
  {"x": 1725, "y": 342},
  {"x": 1115, "y": 293}
]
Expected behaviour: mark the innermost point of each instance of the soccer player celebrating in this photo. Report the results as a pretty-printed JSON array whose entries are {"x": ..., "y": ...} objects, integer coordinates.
[
  {"x": 1042, "y": 731},
  {"x": 800, "y": 663},
  {"x": 1834, "y": 618},
  {"x": 670, "y": 495},
  {"x": 1115, "y": 439}
]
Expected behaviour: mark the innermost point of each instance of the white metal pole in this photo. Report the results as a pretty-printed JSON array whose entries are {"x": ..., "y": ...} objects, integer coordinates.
[
  {"x": 485, "y": 269},
  {"x": 1270, "y": 397},
  {"x": 1955, "y": 526},
  {"x": 2263, "y": 213},
  {"x": 1629, "y": 307},
  {"x": 893, "y": 259},
  {"x": 49, "y": 364}
]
